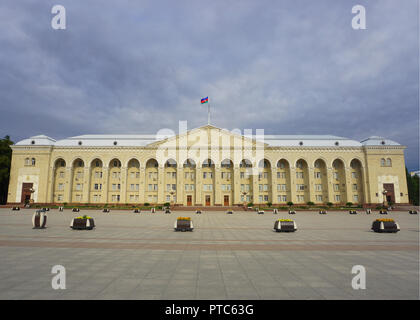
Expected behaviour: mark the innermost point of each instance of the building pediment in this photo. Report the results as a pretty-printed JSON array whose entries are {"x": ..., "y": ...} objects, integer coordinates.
[{"x": 210, "y": 137}]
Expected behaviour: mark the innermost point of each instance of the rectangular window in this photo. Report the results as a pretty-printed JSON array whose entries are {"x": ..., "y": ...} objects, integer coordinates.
[
  {"x": 299, "y": 175},
  {"x": 318, "y": 187},
  {"x": 61, "y": 175},
  {"x": 300, "y": 187},
  {"x": 336, "y": 187},
  {"x": 354, "y": 175},
  {"x": 317, "y": 175},
  {"x": 260, "y": 187},
  {"x": 266, "y": 187},
  {"x": 355, "y": 198},
  {"x": 265, "y": 198},
  {"x": 61, "y": 186},
  {"x": 260, "y": 198},
  {"x": 78, "y": 186},
  {"x": 300, "y": 198},
  {"x": 354, "y": 187},
  {"x": 242, "y": 174},
  {"x": 336, "y": 175},
  {"x": 318, "y": 198},
  {"x": 337, "y": 198},
  {"x": 60, "y": 197}
]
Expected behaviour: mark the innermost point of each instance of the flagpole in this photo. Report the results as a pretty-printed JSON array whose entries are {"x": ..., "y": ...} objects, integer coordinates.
[{"x": 208, "y": 113}]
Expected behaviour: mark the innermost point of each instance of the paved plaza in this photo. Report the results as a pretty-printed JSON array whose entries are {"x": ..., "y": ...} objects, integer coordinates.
[{"x": 139, "y": 256}]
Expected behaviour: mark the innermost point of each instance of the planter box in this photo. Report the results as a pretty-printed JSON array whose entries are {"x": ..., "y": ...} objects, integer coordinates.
[
  {"x": 322, "y": 212},
  {"x": 285, "y": 226},
  {"x": 292, "y": 212},
  {"x": 352, "y": 211},
  {"x": 82, "y": 224},
  {"x": 412, "y": 212},
  {"x": 261, "y": 212},
  {"x": 39, "y": 219},
  {"x": 183, "y": 225},
  {"x": 15, "y": 209},
  {"x": 106, "y": 210},
  {"x": 385, "y": 226},
  {"x": 75, "y": 210},
  {"x": 383, "y": 212},
  {"x": 198, "y": 211}
]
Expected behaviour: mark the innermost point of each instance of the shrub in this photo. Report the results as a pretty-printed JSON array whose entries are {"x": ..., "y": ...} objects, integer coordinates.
[
  {"x": 147, "y": 204},
  {"x": 329, "y": 204},
  {"x": 290, "y": 203},
  {"x": 269, "y": 204},
  {"x": 349, "y": 204},
  {"x": 310, "y": 203},
  {"x": 166, "y": 204},
  {"x": 250, "y": 204}
]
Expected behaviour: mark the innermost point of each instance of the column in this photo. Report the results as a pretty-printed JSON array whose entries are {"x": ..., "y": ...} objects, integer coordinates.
[
  {"x": 311, "y": 187},
  {"x": 274, "y": 185},
  {"x": 292, "y": 184},
  {"x": 142, "y": 185},
  {"x": 255, "y": 188},
  {"x": 123, "y": 197},
  {"x": 69, "y": 175},
  {"x": 236, "y": 186},
  {"x": 330, "y": 185},
  {"x": 161, "y": 186},
  {"x": 50, "y": 196},
  {"x": 349, "y": 193},
  {"x": 217, "y": 188},
  {"x": 198, "y": 186},
  {"x": 105, "y": 191},
  {"x": 180, "y": 184},
  {"x": 86, "y": 185}
]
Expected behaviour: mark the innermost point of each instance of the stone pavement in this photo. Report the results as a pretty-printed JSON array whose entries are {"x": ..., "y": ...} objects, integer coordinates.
[{"x": 239, "y": 256}]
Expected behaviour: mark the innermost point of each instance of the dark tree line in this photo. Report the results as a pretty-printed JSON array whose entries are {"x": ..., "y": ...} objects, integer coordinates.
[
  {"x": 413, "y": 188},
  {"x": 5, "y": 159}
]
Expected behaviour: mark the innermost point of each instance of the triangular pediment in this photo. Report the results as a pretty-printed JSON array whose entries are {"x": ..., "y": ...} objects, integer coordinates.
[{"x": 209, "y": 136}]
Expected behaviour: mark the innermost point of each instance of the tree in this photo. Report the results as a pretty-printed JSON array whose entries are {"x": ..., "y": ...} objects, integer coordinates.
[
  {"x": 413, "y": 188},
  {"x": 5, "y": 160}
]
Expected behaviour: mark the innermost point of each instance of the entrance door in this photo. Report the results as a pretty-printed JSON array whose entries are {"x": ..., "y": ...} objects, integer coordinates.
[
  {"x": 26, "y": 193},
  {"x": 189, "y": 200},
  {"x": 207, "y": 200},
  {"x": 226, "y": 201},
  {"x": 390, "y": 195}
]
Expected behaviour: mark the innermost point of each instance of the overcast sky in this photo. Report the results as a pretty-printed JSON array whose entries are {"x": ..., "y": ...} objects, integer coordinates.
[{"x": 289, "y": 67}]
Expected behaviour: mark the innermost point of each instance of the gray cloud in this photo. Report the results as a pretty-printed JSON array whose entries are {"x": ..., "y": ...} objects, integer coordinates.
[{"x": 288, "y": 67}]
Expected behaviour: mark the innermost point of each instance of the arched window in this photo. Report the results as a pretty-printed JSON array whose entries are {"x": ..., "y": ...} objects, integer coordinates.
[
  {"x": 382, "y": 162},
  {"x": 388, "y": 162},
  {"x": 33, "y": 161}
]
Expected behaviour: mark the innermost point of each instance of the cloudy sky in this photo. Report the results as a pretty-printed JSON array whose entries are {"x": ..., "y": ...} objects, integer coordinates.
[{"x": 289, "y": 67}]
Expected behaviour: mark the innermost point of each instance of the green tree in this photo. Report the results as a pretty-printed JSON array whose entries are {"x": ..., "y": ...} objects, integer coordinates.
[
  {"x": 413, "y": 188},
  {"x": 5, "y": 159}
]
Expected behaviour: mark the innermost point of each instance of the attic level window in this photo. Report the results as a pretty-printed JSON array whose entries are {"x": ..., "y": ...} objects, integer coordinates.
[
  {"x": 301, "y": 143},
  {"x": 80, "y": 143},
  {"x": 33, "y": 142},
  {"x": 115, "y": 143},
  {"x": 336, "y": 143}
]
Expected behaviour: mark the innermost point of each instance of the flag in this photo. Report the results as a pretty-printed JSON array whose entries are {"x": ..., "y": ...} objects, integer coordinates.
[{"x": 205, "y": 100}]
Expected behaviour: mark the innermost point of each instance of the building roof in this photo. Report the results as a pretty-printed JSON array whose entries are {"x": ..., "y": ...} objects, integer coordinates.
[
  {"x": 141, "y": 140},
  {"x": 379, "y": 141},
  {"x": 40, "y": 140}
]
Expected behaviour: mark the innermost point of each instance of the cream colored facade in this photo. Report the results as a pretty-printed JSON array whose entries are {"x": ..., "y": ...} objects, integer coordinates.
[{"x": 207, "y": 166}]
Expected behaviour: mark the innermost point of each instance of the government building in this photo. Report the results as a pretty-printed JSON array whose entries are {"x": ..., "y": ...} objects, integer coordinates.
[{"x": 207, "y": 166}]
